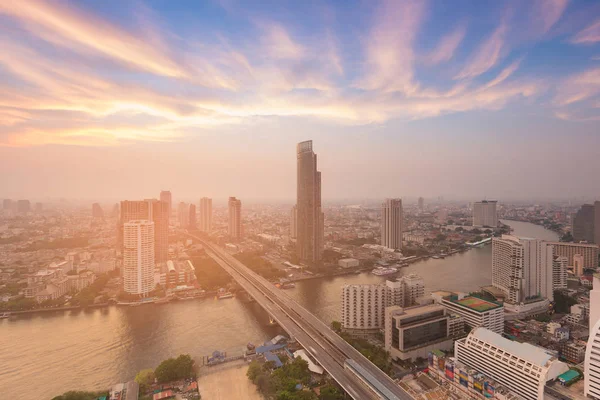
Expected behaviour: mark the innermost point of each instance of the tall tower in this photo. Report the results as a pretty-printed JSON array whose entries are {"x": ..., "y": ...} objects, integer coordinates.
[
  {"x": 293, "y": 224},
  {"x": 583, "y": 224},
  {"x": 235, "y": 218},
  {"x": 421, "y": 203},
  {"x": 485, "y": 213},
  {"x": 310, "y": 219},
  {"x": 165, "y": 195},
  {"x": 138, "y": 257},
  {"x": 205, "y": 214},
  {"x": 183, "y": 214},
  {"x": 591, "y": 386},
  {"x": 152, "y": 210},
  {"x": 192, "y": 217},
  {"x": 391, "y": 223}
]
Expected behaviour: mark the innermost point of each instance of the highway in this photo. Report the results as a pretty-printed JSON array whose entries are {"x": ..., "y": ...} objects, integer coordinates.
[{"x": 324, "y": 345}]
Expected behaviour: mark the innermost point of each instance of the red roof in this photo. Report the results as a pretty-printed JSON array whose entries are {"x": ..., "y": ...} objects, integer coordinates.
[{"x": 163, "y": 395}]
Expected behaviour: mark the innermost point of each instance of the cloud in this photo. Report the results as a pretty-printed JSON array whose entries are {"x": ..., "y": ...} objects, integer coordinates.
[
  {"x": 445, "y": 49},
  {"x": 589, "y": 35},
  {"x": 545, "y": 13},
  {"x": 487, "y": 55},
  {"x": 578, "y": 87}
]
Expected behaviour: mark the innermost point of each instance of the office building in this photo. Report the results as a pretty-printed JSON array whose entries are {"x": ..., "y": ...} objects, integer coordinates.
[
  {"x": 235, "y": 218},
  {"x": 421, "y": 204},
  {"x": 592, "y": 352},
  {"x": 293, "y": 217},
  {"x": 97, "y": 211},
  {"x": 485, "y": 214},
  {"x": 582, "y": 224},
  {"x": 310, "y": 224},
  {"x": 152, "y": 210},
  {"x": 23, "y": 206},
  {"x": 165, "y": 195},
  {"x": 559, "y": 273},
  {"x": 475, "y": 311},
  {"x": 7, "y": 204},
  {"x": 192, "y": 217},
  {"x": 138, "y": 257},
  {"x": 415, "y": 331},
  {"x": 570, "y": 250},
  {"x": 205, "y": 214},
  {"x": 392, "y": 219},
  {"x": 578, "y": 264},
  {"x": 521, "y": 367},
  {"x": 183, "y": 214},
  {"x": 522, "y": 268}
]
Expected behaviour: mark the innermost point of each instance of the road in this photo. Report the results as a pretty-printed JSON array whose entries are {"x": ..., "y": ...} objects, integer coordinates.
[{"x": 325, "y": 346}]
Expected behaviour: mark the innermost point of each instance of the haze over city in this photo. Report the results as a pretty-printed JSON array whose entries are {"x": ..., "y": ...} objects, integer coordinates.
[{"x": 409, "y": 98}]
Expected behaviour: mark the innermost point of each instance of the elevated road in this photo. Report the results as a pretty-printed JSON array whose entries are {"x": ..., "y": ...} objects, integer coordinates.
[{"x": 356, "y": 374}]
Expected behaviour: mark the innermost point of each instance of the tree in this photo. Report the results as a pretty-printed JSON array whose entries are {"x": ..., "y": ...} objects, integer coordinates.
[
  {"x": 254, "y": 369},
  {"x": 175, "y": 368},
  {"x": 336, "y": 326},
  {"x": 476, "y": 231},
  {"x": 567, "y": 237},
  {"x": 145, "y": 378},
  {"x": 330, "y": 392},
  {"x": 563, "y": 302},
  {"x": 80, "y": 395},
  {"x": 459, "y": 229}
]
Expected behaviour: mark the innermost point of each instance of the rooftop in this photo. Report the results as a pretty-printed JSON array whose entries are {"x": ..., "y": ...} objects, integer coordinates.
[
  {"x": 526, "y": 351},
  {"x": 474, "y": 303}
]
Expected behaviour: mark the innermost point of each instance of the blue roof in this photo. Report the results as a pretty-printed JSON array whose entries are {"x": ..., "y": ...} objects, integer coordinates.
[
  {"x": 272, "y": 357},
  {"x": 568, "y": 376},
  {"x": 269, "y": 347}
]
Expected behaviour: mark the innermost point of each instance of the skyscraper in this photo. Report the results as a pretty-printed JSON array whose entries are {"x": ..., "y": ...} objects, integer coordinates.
[
  {"x": 235, "y": 218},
  {"x": 165, "y": 195},
  {"x": 23, "y": 206},
  {"x": 293, "y": 223},
  {"x": 392, "y": 218},
  {"x": 421, "y": 204},
  {"x": 310, "y": 219},
  {"x": 183, "y": 214},
  {"x": 205, "y": 214},
  {"x": 522, "y": 268},
  {"x": 192, "y": 217},
  {"x": 485, "y": 213},
  {"x": 150, "y": 210},
  {"x": 97, "y": 211},
  {"x": 597, "y": 222},
  {"x": 591, "y": 386},
  {"x": 583, "y": 224},
  {"x": 138, "y": 257}
]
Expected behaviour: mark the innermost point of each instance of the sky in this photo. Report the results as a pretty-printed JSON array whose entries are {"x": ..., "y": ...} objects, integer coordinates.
[{"x": 462, "y": 99}]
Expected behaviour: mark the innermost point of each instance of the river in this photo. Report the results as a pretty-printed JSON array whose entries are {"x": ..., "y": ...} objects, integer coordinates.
[{"x": 43, "y": 355}]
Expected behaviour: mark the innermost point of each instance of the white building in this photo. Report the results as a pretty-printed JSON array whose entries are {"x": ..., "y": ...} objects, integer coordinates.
[
  {"x": 235, "y": 218},
  {"x": 205, "y": 214},
  {"x": 559, "y": 272},
  {"x": 522, "y": 268},
  {"x": 592, "y": 352},
  {"x": 485, "y": 214},
  {"x": 476, "y": 312},
  {"x": 138, "y": 257},
  {"x": 348, "y": 263},
  {"x": 570, "y": 250},
  {"x": 521, "y": 367},
  {"x": 391, "y": 223}
]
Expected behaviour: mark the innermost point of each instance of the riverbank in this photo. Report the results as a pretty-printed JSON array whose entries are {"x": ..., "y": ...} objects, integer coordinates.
[{"x": 46, "y": 310}]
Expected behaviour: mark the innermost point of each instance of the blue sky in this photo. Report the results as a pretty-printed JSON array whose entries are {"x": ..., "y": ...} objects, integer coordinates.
[{"x": 463, "y": 99}]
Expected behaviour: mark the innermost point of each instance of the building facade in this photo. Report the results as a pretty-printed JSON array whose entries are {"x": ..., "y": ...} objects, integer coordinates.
[
  {"x": 310, "y": 224},
  {"x": 138, "y": 257},
  {"x": 475, "y": 311},
  {"x": 293, "y": 219},
  {"x": 205, "y": 214},
  {"x": 559, "y": 272},
  {"x": 183, "y": 214},
  {"x": 522, "y": 268},
  {"x": 151, "y": 210},
  {"x": 521, "y": 367},
  {"x": 583, "y": 224},
  {"x": 392, "y": 218},
  {"x": 166, "y": 196},
  {"x": 362, "y": 307},
  {"x": 570, "y": 250},
  {"x": 592, "y": 352},
  {"x": 97, "y": 211},
  {"x": 235, "y": 218},
  {"x": 485, "y": 214}
]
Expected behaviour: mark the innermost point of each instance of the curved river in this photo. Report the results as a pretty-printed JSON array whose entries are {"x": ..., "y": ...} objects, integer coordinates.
[{"x": 43, "y": 355}]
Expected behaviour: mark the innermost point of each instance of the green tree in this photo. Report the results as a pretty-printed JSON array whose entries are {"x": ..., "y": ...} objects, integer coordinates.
[
  {"x": 336, "y": 326},
  {"x": 175, "y": 368},
  {"x": 145, "y": 378},
  {"x": 330, "y": 392},
  {"x": 254, "y": 369},
  {"x": 563, "y": 302},
  {"x": 80, "y": 395}
]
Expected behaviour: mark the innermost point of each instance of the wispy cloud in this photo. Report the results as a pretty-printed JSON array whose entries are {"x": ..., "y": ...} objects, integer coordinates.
[
  {"x": 487, "y": 55},
  {"x": 589, "y": 35},
  {"x": 446, "y": 47}
]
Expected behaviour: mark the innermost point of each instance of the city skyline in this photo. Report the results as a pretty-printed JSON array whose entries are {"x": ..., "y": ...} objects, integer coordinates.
[{"x": 412, "y": 93}]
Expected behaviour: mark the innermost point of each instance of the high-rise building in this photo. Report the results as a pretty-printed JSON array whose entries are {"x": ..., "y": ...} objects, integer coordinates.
[
  {"x": 7, "y": 204},
  {"x": 293, "y": 226},
  {"x": 152, "y": 210},
  {"x": 97, "y": 211},
  {"x": 521, "y": 367},
  {"x": 591, "y": 386},
  {"x": 183, "y": 214},
  {"x": 165, "y": 195},
  {"x": 192, "y": 217},
  {"x": 578, "y": 264},
  {"x": 582, "y": 224},
  {"x": 559, "y": 272},
  {"x": 235, "y": 218},
  {"x": 522, "y": 268},
  {"x": 310, "y": 228},
  {"x": 597, "y": 222},
  {"x": 138, "y": 257},
  {"x": 205, "y": 214},
  {"x": 392, "y": 218},
  {"x": 421, "y": 204},
  {"x": 23, "y": 206},
  {"x": 116, "y": 211},
  {"x": 589, "y": 252},
  {"x": 485, "y": 214},
  {"x": 39, "y": 207}
]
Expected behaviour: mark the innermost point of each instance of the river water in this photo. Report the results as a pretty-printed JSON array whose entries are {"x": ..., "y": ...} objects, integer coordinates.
[{"x": 43, "y": 355}]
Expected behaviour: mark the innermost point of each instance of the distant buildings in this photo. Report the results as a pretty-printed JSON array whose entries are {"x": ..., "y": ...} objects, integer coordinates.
[
  {"x": 205, "y": 214},
  {"x": 293, "y": 226},
  {"x": 23, "y": 206},
  {"x": 183, "y": 214},
  {"x": 309, "y": 218},
  {"x": 235, "y": 218},
  {"x": 7, "y": 204},
  {"x": 592, "y": 353},
  {"x": 589, "y": 252},
  {"x": 39, "y": 207},
  {"x": 582, "y": 224},
  {"x": 138, "y": 257},
  {"x": 165, "y": 196},
  {"x": 475, "y": 311},
  {"x": 192, "y": 217},
  {"x": 521, "y": 367},
  {"x": 414, "y": 331},
  {"x": 421, "y": 204},
  {"x": 522, "y": 268},
  {"x": 97, "y": 211},
  {"x": 174, "y": 273},
  {"x": 392, "y": 219},
  {"x": 151, "y": 210},
  {"x": 485, "y": 214},
  {"x": 559, "y": 272}
]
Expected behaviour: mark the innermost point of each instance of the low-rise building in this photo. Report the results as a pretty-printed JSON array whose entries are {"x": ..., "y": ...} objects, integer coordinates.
[
  {"x": 476, "y": 312},
  {"x": 348, "y": 263},
  {"x": 573, "y": 352}
]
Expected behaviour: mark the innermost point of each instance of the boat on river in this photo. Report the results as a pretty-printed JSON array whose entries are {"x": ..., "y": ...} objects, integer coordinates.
[
  {"x": 382, "y": 271},
  {"x": 4, "y": 315}
]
